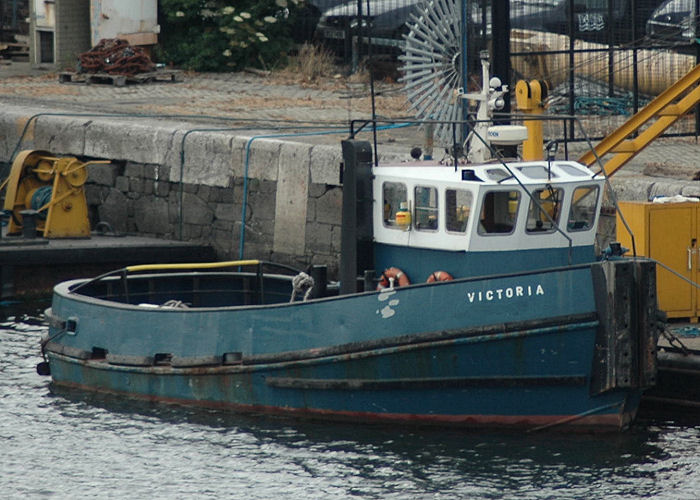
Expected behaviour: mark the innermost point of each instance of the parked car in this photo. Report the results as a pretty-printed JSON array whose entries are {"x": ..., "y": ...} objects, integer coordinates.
[
  {"x": 600, "y": 21},
  {"x": 307, "y": 16},
  {"x": 392, "y": 18},
  {"x": 388, "y": 21},
  {"x": 673, "y": 21}
]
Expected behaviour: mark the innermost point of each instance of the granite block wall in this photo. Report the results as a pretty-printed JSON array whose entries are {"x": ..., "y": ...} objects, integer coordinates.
[{"x": 138, "y": 198}]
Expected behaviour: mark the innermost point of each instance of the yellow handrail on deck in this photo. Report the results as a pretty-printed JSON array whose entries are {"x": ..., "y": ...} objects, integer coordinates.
[{"x": 201, "y": 265}]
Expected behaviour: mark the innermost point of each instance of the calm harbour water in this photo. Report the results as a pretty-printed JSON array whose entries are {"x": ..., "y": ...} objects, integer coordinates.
[{"x": 70, "y": 445}]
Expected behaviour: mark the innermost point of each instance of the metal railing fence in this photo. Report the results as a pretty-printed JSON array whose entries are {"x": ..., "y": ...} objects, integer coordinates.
[{"x": 602, "y": 59}]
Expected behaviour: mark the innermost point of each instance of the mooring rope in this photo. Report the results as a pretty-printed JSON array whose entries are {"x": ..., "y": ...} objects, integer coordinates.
[
  {"x": 674, "y": 341},
  {"x": 572, "y": 418},
  {"x": 302, "y": 282},
  {"x": 44, "y": 342}
]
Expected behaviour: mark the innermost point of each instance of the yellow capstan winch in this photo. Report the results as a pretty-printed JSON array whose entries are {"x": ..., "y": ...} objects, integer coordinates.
[
  {"x": 51, "y": 186},
  {"x": 530, "y": 98}
]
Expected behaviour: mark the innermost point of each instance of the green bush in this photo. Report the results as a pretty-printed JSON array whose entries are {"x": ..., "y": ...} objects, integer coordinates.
[{"x": 215, "y": 35}]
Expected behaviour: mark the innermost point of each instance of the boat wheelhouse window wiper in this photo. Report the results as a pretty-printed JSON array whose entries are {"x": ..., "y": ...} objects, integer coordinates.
[{"x": 505, "y": 178}]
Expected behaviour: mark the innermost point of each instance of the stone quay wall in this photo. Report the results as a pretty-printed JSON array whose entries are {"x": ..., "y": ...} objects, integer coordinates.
[{"x": 294, "y": 198}]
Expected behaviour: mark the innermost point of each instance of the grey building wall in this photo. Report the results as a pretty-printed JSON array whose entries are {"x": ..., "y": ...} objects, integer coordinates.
[
  {"x": 72, "y": 32},
  {"x": 34, "y": 36}
]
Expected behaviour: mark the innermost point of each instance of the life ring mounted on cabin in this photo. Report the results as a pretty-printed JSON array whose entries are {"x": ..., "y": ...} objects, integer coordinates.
[
  {"x": 439, "y": 276},
  {"x": 393, "y": 277}
]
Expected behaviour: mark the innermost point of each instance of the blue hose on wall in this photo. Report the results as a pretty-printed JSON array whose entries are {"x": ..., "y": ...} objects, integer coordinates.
[{"x": 41, "y": 197}]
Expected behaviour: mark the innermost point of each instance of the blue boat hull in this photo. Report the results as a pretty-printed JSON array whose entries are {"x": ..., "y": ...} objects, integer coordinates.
[{"x": 510, "y": 350}]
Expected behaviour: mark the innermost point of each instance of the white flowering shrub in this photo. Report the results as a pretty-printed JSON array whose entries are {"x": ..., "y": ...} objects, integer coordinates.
[{"x": 217, "y": 35}]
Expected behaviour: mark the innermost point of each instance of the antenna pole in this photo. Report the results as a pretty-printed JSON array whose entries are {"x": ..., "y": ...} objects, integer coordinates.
[
  {"x": 463, "y": 65},
  {"x": 371, "y": 86},
  {"x": 500, "y": 26}
]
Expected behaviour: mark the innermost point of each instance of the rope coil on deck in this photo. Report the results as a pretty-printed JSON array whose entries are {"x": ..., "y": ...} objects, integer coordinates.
[{"x": 302, "y": 283}]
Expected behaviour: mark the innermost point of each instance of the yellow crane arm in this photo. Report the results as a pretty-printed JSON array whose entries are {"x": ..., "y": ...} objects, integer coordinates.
[{"x": 663, "y": 112}]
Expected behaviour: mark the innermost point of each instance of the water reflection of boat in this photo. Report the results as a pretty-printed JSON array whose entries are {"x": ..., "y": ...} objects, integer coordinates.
[{"x": 521, "y": 324}]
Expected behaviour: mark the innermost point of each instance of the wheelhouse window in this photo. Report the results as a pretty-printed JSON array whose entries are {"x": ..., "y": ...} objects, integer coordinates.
[
  {"x": 545, "y": 217},
  {"x": 498, "y": 174},
  {"x": 583, "y": 208},
  {"x": 394, "y": 199},
  {"x": 573, "y": 170},
  {"x": 458, "y": 203},
  {"x": 537, "y": 172},
  {"x": 499, "y": 212},
  {"x": 426, "y": 202}
]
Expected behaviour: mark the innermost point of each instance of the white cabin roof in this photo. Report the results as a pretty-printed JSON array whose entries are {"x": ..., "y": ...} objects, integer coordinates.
[
  {"x": 480, "y": 180},
  {"x": 533, "y": 172}
]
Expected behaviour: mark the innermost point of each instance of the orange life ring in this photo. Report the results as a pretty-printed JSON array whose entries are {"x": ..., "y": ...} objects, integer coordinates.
[
  {"x": 393, "y": 275},
  {"x": 439, "y": 276}
]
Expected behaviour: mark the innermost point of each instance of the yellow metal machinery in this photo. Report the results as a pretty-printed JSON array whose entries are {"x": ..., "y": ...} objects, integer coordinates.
[
  {"x": 649, "y": 122},
  {"x": 669, "y": 233},
  {"x": 657, "y": 116},
  {"x": 529, "y": 97},
  {"x": 51, "y": 186}
]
